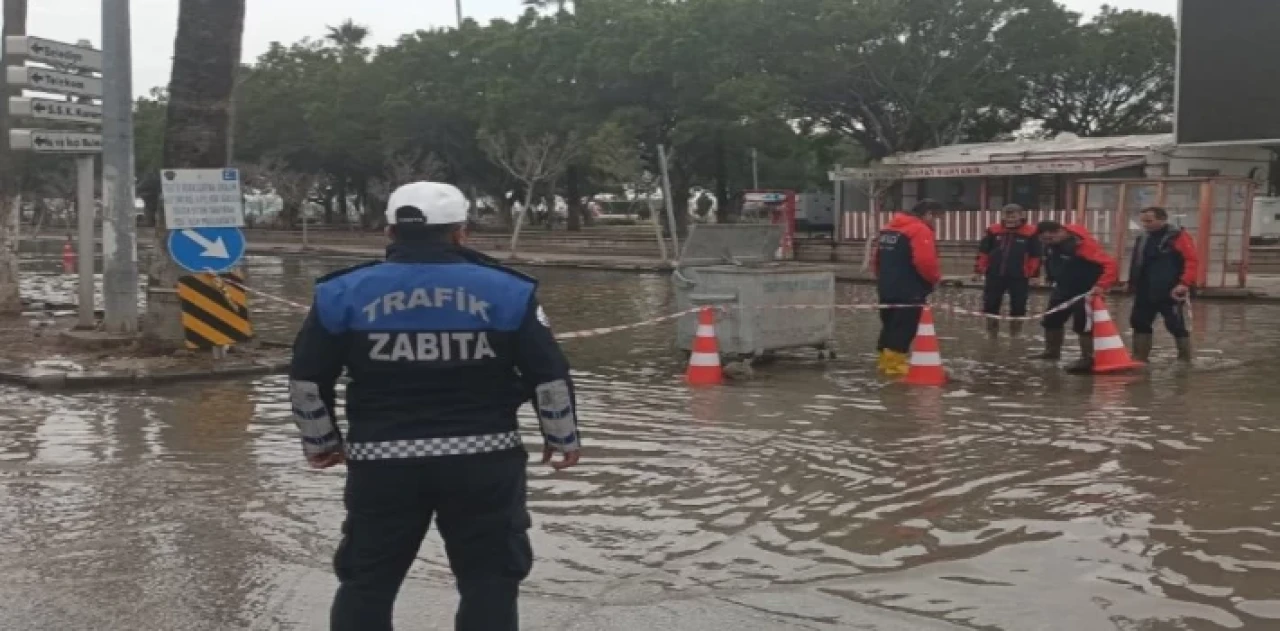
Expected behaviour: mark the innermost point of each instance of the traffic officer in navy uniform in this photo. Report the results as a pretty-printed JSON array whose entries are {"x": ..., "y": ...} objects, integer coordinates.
[{"x": 442, "y": 346}]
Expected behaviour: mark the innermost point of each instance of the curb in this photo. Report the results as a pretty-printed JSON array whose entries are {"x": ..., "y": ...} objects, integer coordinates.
[{"x": 63, "y": 381}]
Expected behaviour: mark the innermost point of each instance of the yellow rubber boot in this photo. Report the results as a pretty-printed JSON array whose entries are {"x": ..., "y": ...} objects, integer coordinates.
[
  {"x": 882, "y": 364},
  {"x": 897, "y": 364}
]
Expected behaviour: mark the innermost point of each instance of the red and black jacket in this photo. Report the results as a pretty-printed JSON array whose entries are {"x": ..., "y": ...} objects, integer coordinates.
[
  {"x": 906, "y": 261},
  {"x": 1163, "y": 260},
  {"x": 1009, "y": 253},
  {"x": 1079, "y": 264}
]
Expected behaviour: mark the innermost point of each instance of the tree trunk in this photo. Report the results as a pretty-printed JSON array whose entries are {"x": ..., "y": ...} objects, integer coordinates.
[
  {"x": 722, "y": 181},
  {"x": 328, "y": 206},
  {"x": 680, "y": 201},
  {"x": 550, "y": 201},
  {"x": 206, "y": 58},
  {"x": 572, "y": 183},
  {"x": 342, "y": 200},
  {"x": 11, "y": 166}
]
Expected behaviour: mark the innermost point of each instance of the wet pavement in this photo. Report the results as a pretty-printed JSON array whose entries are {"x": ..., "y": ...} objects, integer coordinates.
[{"x": 813, "y": 497}]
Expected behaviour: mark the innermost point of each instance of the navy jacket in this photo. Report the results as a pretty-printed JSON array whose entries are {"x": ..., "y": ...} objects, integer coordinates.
[
  {"x": 1005, "y": 253},
  {"x": 906, "y": 261},
  {"x": 442, "y": 346},
  {"x": 1079, "y": 264},
  {"x": 1161, "y": 261}
]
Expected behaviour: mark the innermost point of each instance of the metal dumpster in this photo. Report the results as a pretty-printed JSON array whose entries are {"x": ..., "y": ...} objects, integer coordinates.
[{"x": 734, "y": 266}]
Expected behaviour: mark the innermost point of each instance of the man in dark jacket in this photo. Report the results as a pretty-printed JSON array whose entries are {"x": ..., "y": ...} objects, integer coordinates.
[
  {"x": 442, "y": 345},
  {"x": 1008, "y": 260},
  {"x": 907, "y": 270},
  {"x": 1162, "y": 272},
  {"x": 1076, "y": 264}
]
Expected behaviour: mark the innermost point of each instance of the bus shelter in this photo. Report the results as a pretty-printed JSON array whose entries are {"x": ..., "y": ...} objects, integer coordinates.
[{"x": 1216, "y": 212}]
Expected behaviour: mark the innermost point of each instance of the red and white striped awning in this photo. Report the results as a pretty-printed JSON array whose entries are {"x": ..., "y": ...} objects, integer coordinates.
[{"x": 991, "y": 169}]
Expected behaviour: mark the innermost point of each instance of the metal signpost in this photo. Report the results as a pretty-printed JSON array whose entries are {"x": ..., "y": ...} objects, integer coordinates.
[
  {"x": 69, "y": 71},
  {"x": 204, "y": 210}
]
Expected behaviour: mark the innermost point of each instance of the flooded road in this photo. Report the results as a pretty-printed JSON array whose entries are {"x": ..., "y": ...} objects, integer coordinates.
[{"x": 813, "y": 497}]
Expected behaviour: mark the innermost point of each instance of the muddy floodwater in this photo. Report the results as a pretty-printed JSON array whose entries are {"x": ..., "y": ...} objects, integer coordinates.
[{"x": 815, "y": 496}]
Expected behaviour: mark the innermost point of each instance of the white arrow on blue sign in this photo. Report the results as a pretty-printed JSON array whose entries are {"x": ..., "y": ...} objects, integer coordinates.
[{"x": 211, "y": 250}]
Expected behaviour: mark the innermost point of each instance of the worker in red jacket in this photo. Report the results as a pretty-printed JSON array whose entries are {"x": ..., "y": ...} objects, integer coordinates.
[
  {"x": 1162, "y": 272},
  {"x": 1076, "y": 264},
  {"x": 1008, "y": 261},
  {"x": 907, "y": 271}
]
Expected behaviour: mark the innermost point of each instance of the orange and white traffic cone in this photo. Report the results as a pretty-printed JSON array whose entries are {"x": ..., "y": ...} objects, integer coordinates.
[
  {"x": 704, "y": 363},
  {"x": 1109, "y": 352},
  {"x": 926, "y": 356}
]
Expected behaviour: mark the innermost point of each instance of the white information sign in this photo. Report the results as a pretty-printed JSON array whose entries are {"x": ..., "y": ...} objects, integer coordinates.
[
  {"x": 202, "y": 198},
  {"x": 55, "y": 53},
  {"x": 45, "y": 80},
  {"x": 54, "y": 141}
]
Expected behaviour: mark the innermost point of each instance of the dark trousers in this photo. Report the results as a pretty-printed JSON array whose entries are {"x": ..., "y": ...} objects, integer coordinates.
[
  {"x": 1057, "y": 321},
  {"x": 1019, "y": 290},
  {"x": 478, "y": 503},
  {"x": 1172, "y": 312},
  {"x": 898, "y": 329}
]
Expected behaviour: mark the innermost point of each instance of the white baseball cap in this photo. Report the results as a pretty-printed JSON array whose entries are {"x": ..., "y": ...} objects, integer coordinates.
[{"x": 427, "y": 204}]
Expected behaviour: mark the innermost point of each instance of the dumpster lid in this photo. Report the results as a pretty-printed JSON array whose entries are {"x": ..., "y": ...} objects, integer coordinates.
[{"x": 729, "y": 244}]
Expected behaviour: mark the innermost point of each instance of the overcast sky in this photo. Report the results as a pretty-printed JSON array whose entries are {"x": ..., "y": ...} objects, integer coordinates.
[{"x": 155, "y": 22}]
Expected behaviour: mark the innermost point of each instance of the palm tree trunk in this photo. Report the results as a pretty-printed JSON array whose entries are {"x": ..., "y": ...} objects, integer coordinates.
[
  {"x": 15, "y": 23},
  {"x": 206, "y": 58}
]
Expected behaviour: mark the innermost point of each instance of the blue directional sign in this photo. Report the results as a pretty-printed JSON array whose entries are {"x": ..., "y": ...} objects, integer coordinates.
[{"x": 212, "y": 250}]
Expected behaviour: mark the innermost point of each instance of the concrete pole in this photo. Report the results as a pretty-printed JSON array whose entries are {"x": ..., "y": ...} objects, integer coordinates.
[
  {"x": 88, "y": 254},
  {"x": 666, "y": 196},
  {"x": 458, "y": 4},
  {"x": 119, "y": 221}
]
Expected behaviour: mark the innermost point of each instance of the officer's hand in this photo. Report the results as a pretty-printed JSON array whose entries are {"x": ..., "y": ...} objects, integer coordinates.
[
  {"x": 1180, "y": 292},
  {"x": 567, "y": 460},
  {"x": 324, "y": 461},
  {"x": 1097, "y": 291},
  {"x": 1035, "y": 282}
]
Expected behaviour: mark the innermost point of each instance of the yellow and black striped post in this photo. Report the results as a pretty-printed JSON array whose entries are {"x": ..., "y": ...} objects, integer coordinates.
[{"x": 215, "y": 313}]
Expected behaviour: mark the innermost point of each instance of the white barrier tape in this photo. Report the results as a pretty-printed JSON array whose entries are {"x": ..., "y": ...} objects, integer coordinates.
[
  {"x": 597, "y": 332},
  {"x": 577, "y": 335},
  {"x": 246, "y": 288}
]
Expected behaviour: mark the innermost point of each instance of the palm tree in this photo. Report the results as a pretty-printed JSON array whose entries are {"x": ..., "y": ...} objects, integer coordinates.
[
  {"x": 206, "y": 60},
  {"x": 15, "y": 23},
  {"x": 348, "y": 36},
  {"x": 542, "y": 4}
]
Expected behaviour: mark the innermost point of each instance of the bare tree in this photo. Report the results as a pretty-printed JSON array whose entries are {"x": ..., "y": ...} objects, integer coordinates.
[
  {"x": 532, "y": 160},
  {"x": 401, "y": 169},
  {"x": 293, "y": 187}
]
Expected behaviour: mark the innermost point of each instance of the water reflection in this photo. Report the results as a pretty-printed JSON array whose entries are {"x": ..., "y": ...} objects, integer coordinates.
[{"x": 1015, "y": 498}]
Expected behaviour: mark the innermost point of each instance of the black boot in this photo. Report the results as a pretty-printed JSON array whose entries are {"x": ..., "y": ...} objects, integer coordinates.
[
  {"x": 1184, "y": 349},
  {"x": 1053, "y": 340},
  {"x": 993, "y": 327},
  {"x": 1142, "y": 343},
  {"x": 1015, "y": 328},
  {"x": 1084, "y": 365}
]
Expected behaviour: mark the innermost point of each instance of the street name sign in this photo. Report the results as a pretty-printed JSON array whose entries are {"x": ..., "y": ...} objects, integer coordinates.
[
  {"x": 54, "y": 53},
  {"x": 45, "y": 80},
  {"x": 211, "y": 250},
  {"x": 54, "y": 110},
  {"x": 51, "y": 141},
  {"x": 202, "y": 198}
]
